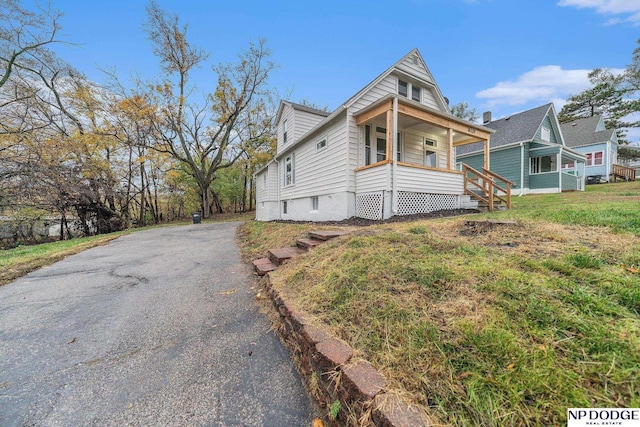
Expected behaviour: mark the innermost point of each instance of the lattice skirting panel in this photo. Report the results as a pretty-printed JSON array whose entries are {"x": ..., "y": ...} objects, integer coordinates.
[
  {"x": 412, "y": 203},
  {"x": 369, "y": 205}
]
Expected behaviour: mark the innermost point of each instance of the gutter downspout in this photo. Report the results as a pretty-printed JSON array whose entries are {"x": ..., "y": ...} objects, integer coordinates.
[
  {"x": 394, "y": 168},
  {"x": 609, "y": 161},
  {"x": 278, "y": 188},
  {"x": 521, "y": 169}
]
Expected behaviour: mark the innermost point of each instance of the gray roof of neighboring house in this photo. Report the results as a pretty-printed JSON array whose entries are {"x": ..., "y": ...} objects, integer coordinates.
[
  {"x": 515, "y": 128},
  {"x": 583, "y": 132}
]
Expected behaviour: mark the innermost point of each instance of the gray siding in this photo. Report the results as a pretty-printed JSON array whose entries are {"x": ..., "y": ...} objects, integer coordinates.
[
  {"x": 381, "y": 89},
  {"x": 429, "y": 181},
  {"x": 324, "y": 171},
  {"x": 288, "y": 115}
]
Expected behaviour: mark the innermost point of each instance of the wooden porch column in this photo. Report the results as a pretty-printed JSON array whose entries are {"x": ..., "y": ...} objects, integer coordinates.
[
  {"x": 486, "y": 153},
  {"x": 390, "y": 132},
  {"x": 450, "y": 150}
]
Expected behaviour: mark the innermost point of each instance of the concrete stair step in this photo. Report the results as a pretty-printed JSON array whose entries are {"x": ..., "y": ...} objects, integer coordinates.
[
  {"x": 327, "y": 234},
  {"x": 263, "y": 266},
  {"x": 280, "y": 255},
  {"x": 307, "y": 244}
]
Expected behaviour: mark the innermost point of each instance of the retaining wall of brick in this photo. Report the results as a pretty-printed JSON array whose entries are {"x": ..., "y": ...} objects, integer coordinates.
[{"x": 332, "y": 373}]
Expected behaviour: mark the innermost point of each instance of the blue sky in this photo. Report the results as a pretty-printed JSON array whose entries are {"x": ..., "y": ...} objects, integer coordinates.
[{"x": 500, "y": 55}]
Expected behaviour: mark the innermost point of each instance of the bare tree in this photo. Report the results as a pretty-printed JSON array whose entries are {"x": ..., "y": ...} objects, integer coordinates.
[{"x": 215, "y": 132}]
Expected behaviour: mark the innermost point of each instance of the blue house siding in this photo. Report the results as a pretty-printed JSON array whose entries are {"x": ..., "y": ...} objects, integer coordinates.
[
  {"x": 552, "y": 134},
  {"x": 599, "y": 169},
  {"x": 569, "y": 182},
  {"x": 544, "y": 180},
  {"x": 505, "y": 163}
]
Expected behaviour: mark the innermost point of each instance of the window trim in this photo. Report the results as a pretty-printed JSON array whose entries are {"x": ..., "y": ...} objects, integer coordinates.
[
  {"x": 419, "y": 89},
  {"x": 285, "y": 128},
  {"x": 554, "y": 161},
  {"x": 591, "y": 157},
  {"x": 367, "y": 145},
  {"x": 322, "y": 140},
  {"x": 315, "y": 203},
  {"x": 406, "y": 88},
  {"x": 289, "y": 160},
  {"x": 545, "y": 130}
]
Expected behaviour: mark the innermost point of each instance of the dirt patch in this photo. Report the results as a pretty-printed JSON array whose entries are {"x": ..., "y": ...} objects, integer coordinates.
[{"x": 362, "y": 222}]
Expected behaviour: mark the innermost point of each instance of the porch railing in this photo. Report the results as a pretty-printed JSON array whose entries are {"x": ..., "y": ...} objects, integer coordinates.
[
  {"x": 487, "y": 187},
  {"x": 624, "y": 172}
]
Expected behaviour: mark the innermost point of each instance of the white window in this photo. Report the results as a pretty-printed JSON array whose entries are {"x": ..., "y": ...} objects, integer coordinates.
[
  {"x": 289, "y": 170},
  {"x": 595, "y": 159},
  {"x": 430, "y": 153},
  {"x": 314, "y": 203},
  {"x": 403, "y": 88},
  {"x": 543, "y": 164},
  {"x": 284, "y": 207},
  {"x": 545, "y": 134},
  {"x": 367, "y": 144},
  {"x": 284, "y": 131},
  {"x": 415, "y": 93},
  {"x": 321, "y": 144}
]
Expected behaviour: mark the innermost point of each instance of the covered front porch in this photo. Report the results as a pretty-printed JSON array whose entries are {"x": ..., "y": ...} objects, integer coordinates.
[{"x": 406, "y": 159}]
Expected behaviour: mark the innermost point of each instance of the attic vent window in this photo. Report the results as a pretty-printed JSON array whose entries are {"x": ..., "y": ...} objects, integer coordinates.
[
  {"x": 403, "y": 88},
  {"x": 415, "y": 60},
  {"x": 545, "y": 134}
]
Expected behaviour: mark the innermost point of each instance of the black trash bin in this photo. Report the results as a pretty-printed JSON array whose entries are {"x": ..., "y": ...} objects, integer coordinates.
[{"x": 196, "y": 217}]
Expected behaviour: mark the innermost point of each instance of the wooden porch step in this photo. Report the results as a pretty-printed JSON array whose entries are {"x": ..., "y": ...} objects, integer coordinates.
[
  {"x": 307, "y": 244},
  {"x": 263, "y": 266},
  {"x": 327, "y": 234},
  {"x": 280, "y": 255}
]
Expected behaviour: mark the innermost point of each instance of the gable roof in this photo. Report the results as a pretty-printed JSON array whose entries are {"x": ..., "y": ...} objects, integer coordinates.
[
  {"x": 299, "y": 107},
  {"x": 329, "y": 117},
  {"x": 397, "y": 67},
  {"x": 512, "y": 129},
  {"x": 583, "y": 132}
]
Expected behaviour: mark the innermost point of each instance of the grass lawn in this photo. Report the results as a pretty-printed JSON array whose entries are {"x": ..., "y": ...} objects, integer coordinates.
[{"x": 508, "y": 327}]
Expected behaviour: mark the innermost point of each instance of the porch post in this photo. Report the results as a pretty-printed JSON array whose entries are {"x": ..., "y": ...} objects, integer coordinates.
[
  {"x": 486, "y": 153},
  {"x": 450, "y": 153},
  {"x": 390, "y": 133}
]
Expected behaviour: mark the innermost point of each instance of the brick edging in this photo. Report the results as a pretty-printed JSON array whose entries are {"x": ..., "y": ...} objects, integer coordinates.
[{"x": 331, "y": 373}]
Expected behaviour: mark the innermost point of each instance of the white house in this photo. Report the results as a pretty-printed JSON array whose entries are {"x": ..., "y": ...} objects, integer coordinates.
[{"x": 388, "y": 150}]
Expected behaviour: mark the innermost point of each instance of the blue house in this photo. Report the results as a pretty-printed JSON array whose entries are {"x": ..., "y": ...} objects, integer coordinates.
[
  {"x": 600, "y": 146},
  {"x": 529, "y": 150}
]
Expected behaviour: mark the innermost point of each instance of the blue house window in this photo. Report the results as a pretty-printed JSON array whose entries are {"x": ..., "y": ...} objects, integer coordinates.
[{"x": 544, "y": 164}]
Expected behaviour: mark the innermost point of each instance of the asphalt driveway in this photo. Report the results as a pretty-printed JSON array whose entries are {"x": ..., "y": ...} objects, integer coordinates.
[{"x": 157, "y": 328}]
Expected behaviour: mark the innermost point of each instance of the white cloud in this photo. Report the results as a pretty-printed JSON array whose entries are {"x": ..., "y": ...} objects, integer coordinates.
[
  {"x": 630, "y": 9},
  {"x": 542, "y": 84}
]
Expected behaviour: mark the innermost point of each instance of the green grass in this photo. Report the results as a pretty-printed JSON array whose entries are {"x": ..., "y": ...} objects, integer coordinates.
[
  {"x": 21, "y": 260},
  {"x": 605, "y": 205},
  {"x": 506, "y": 328}
]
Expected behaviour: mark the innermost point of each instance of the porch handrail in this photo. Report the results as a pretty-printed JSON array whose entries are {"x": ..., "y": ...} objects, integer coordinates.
[
  {"x": 490, "y": 190},
  {"x": 507, "y": 184},
  {"x": 624, "y": 172}
]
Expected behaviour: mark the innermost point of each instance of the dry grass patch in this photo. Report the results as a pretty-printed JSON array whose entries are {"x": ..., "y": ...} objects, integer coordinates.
[{"x": 504, "y": 328}]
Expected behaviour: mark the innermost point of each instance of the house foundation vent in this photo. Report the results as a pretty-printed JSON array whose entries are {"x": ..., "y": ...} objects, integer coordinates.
[
  {"x": 410, "y": 203},
  {"x": 369, "y": 205}
]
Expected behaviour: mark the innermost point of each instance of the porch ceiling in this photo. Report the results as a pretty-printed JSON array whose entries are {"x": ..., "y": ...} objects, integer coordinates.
[
  {"x": 412, "y": 115},
  {"x": 411, "y": 123}
]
